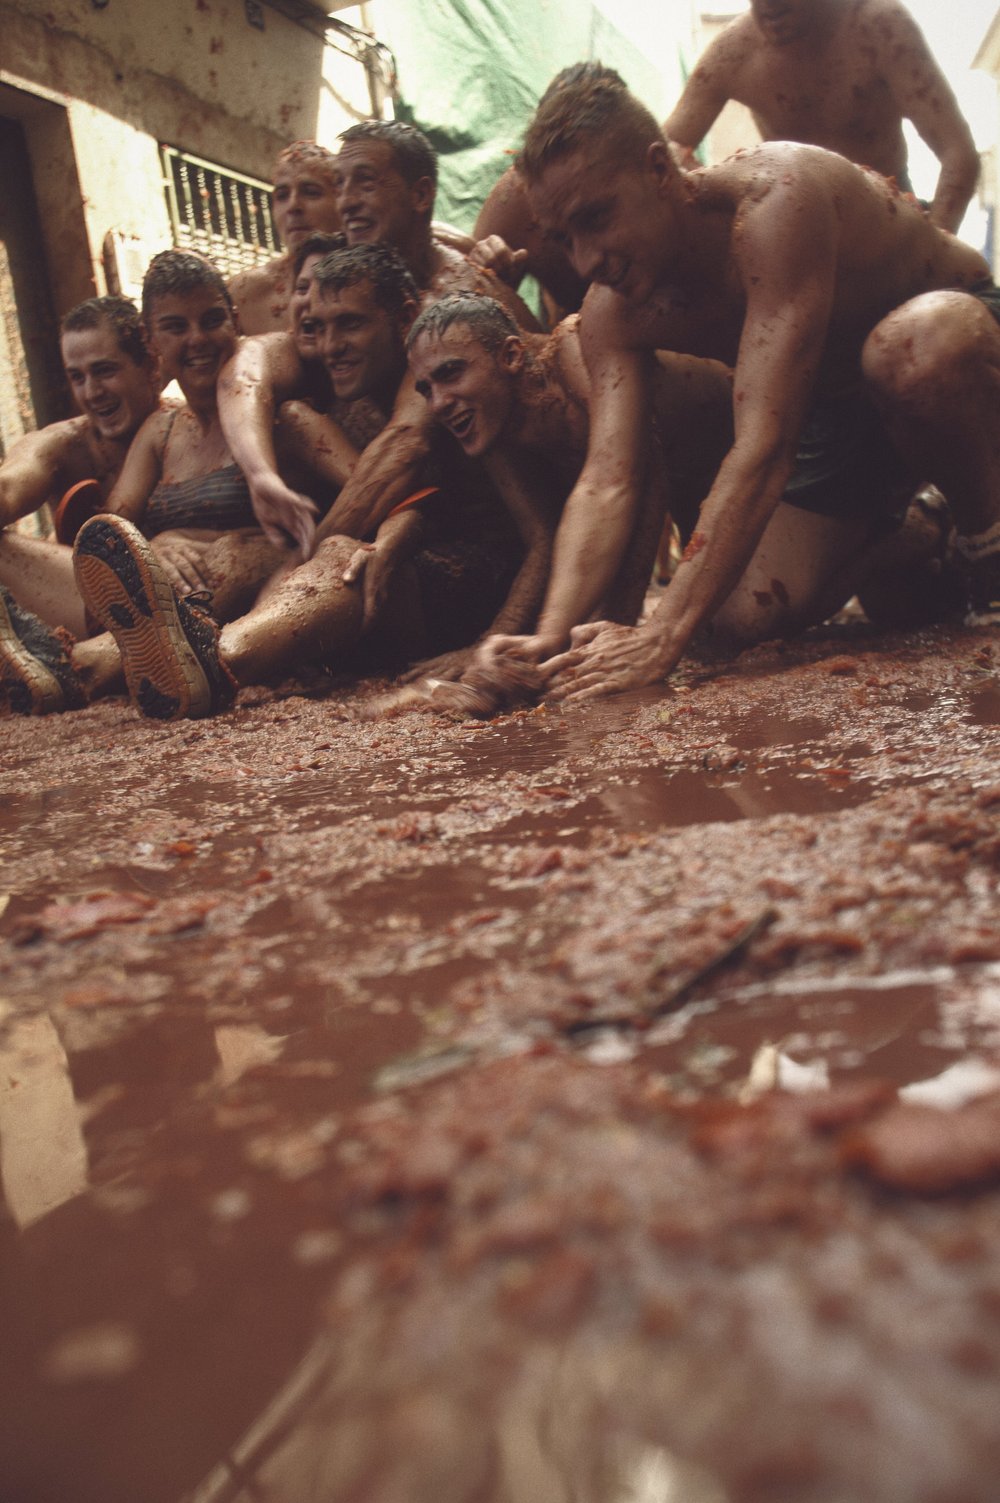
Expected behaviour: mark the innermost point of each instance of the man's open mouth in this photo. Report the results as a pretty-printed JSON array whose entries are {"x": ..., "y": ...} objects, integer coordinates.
[{"x": 462, "y": 425}]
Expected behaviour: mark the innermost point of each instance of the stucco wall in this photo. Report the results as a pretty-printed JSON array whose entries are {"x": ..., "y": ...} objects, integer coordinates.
[{"x": 192, "y": 73}]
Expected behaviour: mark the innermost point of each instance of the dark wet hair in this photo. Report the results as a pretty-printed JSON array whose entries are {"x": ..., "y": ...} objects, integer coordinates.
[
  {"x": 319, "y": 244},
  {"x": 174, "y": 272},
  {"x": 123, "y": 317},
  {"x": 487, "y": 320},
  {"x": 391, "y": 279},
  {"x": 413, "y": 155},
  {"x": 584, "y": 103},
  {"x": 308, "y": 153}
]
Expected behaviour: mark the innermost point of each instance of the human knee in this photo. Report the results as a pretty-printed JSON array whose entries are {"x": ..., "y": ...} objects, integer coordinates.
[
  {"x": 336, "y": 551},
  {"x": 753, "y": 615},
  {"x": 928, "y": 346}
]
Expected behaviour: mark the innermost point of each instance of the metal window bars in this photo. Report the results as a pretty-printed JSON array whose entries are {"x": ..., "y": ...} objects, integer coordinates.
[{"x": 224, "y": 215}]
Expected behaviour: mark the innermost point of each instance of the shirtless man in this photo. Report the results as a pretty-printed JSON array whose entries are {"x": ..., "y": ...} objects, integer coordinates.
[
  {"x": 113, "y": 379},
  {"x": 518, "y": 404},
  {"x": 115, "y": 382},
  {"x": 851, "y": 321},
  {"x": 843, "y": 74},
  {"x": 304, "y": 202}
]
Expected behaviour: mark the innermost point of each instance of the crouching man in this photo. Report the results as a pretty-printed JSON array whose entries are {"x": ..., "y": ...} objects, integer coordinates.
[{"x": 866, "y": 348}]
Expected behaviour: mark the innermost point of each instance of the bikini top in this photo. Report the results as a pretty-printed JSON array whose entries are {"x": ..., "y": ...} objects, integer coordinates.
[{"x": 219, "y": 500}]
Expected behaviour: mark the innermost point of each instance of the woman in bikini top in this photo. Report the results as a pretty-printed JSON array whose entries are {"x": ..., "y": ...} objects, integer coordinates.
[{"x": 179, "y": 475}]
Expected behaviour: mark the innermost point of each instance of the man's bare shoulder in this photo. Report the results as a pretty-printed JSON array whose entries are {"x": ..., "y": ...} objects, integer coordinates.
[
  {"x": 881, "y": 21},
  {"x": 456, "y": 273},
  {"x": 67, "y": 449},
  {"x": 261, "y": 296},
  {"x": 727, "y": 55},
  {"x": 272, "y": 356},
  {"x": 506, "y": 212}
]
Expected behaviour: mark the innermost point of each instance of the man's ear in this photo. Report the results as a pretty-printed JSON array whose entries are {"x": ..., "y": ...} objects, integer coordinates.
[
  {"x": 407, "y": 315},
  {"x": 659, "y": 161},
  {"x": 512, "y": 354},
  {"x": 423, "y": 193}
]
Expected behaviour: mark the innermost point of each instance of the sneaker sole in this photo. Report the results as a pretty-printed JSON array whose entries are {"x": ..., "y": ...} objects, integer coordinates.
[
  {"x": 30, "y": 688},
  {"x": 124, "y": 585}
]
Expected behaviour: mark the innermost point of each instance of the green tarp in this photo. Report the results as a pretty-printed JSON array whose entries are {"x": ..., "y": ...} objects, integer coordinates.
[{"x": 471, "y": 71}]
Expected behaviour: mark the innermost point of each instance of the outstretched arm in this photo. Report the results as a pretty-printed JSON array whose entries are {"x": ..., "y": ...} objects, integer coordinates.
[
  {"x": 141, "y": 471},
  {"x": 264, "y": 372},
  {"x": 923, "y": 95},
  {"x": 700, "y": 105},
  {"x": 599, "y": 516},
  {"x": 388, "y": 471}
]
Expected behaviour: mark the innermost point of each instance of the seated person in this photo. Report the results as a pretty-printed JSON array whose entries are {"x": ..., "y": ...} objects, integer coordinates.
[
  {"x": 115, "y": 383},
  {"x": 426, "y": 583},
  {"x": 179, "y": 483},
  {"x": 303, "y": 203}
]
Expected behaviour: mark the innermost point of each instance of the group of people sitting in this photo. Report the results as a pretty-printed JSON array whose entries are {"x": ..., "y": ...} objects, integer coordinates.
[{"x": 382, "y": 458}]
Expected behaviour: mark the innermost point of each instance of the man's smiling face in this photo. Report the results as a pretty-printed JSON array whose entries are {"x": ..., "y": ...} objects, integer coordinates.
[
  {"x": 469, "y": 389},
  {"x": 358, "y": 340},
  {"x": 110, "y": 389},
  {"x": 608, "y": 217}
]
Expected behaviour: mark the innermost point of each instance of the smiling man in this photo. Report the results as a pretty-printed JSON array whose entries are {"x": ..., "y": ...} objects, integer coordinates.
[
  {"x": 866, "y": 348},
  {"x": 843, "y": 74},
  {"x": 114, "y": 382},
  {"x": 303, "y": 203}
]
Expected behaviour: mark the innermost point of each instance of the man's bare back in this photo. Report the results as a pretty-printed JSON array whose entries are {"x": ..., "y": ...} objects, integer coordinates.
[{"x": 842, "y": 74}]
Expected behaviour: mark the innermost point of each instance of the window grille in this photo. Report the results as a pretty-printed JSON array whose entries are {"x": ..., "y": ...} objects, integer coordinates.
[{"x": 224, "y": 215}]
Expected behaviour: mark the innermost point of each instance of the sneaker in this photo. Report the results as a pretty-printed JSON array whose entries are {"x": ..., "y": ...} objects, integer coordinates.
[
  {"x": 980, "y": 559},
  {"x": 35, "y": 669},
  {"x": 169, "y": 644}
]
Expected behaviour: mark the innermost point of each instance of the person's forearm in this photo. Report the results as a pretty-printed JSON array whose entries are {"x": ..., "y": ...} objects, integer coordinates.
[
  {"x": 246, "y": 412},
  {"x": 955, "y": 187},
  {"x": 732, "y": 521},
  {"x": 590, "y": 543},
  {"x": 519, "y": 611},
  {"x": 387, "y": 472}
]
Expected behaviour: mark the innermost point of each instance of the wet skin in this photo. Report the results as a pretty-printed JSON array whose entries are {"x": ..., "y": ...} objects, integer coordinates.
[
  {"x": 194, "y": 335},
  {"x": 374, "y": 200},
  {"x": 467, "y": 387},
  {"x": 781, "y": 260},
  {"x": 304, "y": 201},
  {"x": 112, "y": 392},
  {"x": 838, "y": 75},
  {"x": 358, "y": 341}
]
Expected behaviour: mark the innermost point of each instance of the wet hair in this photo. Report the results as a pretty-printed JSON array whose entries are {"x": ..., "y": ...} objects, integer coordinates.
[
  {"x": 123, "y": 317},
  {"x": 486, "y": 319},
  {"x": 413, "y": 155},
  {"x": 307, "y": 154},
  {"x": 174, "y": 272},
  {"x": 580, "y": 73},
  {"x": 391, "y": 279},
  {"x": 319, "y": 244},
  {"x": 586, "y": 102}
]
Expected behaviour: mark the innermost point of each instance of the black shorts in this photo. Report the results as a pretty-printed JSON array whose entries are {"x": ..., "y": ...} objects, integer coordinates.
[{"x": 846, "y": 465}]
